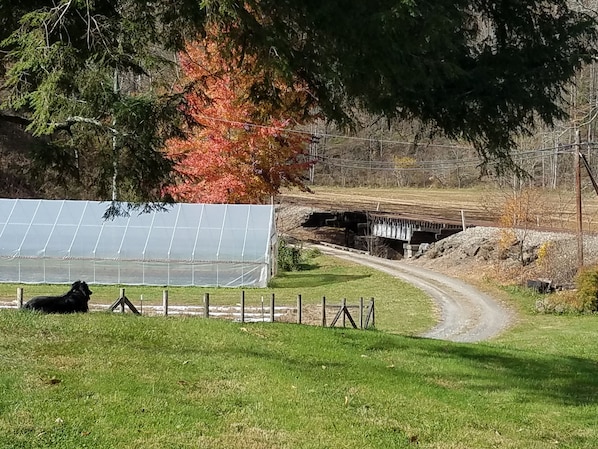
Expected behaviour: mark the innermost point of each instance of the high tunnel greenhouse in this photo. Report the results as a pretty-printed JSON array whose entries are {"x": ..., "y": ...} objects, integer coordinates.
[{"x": 50, "y": 241}]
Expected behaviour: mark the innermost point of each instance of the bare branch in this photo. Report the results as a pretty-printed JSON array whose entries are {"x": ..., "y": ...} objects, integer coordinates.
[{"x": 70, "y": 121}]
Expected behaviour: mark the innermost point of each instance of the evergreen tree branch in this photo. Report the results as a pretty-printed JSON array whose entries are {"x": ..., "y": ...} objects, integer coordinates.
[
  {"x": 64, "y": 125},
  {"x": 70, "y": 121}
]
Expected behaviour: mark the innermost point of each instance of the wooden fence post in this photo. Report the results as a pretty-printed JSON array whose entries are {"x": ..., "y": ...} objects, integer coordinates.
[
  {"x": 20, "y": 297},
  {"x": 122, "y": 304},
  {"x": 373, "y": 313},
  {"x": 361, "y": 312},
  {"x": 298, "y": 309},
  {"x": 343, "y": 308},
  {"x": 165, "y": 302},
  {"x": 272, "y": 308},
  {"x": 242, "y": 306},
  {"x": 371, "y": 316},
  {"x": 206, "y": 305},
  {"x": 323, "y": 311},
  {"x": 123, "y": 301}
]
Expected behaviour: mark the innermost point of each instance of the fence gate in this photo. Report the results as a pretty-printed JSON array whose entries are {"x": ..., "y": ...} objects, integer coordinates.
[{"x": 344, "y": 313}]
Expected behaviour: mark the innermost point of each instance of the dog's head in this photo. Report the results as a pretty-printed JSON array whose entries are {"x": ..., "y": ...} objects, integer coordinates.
[{"x": 81, "y": 288}]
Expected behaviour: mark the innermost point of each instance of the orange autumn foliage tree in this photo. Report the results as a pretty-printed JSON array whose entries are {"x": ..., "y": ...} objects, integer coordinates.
[{"x": 242, "y": 151}]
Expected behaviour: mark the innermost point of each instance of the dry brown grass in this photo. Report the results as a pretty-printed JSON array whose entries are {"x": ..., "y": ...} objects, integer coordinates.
[{"x": 481, "y": 206}]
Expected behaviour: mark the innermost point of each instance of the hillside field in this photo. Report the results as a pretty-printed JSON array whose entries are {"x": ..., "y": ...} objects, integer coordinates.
[
  {"x": 121, "y": 381},
  {"x": 551, "y": 209}
]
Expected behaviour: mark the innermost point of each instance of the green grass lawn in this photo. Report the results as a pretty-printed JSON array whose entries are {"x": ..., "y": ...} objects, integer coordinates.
[{"x": 102, "y": 380}]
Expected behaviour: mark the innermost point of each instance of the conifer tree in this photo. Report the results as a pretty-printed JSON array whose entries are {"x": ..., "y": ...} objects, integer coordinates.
[{"x": 96, "y": 76}]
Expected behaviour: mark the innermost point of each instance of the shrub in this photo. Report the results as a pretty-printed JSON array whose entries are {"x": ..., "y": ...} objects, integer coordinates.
[
  {"x": 560, "y": 303},
  {"x": 289, "y": 257},
  {"x": 557, "y": 261},
  {"x": 586, "y": 282},
  {"x": 544, "y": 252}
]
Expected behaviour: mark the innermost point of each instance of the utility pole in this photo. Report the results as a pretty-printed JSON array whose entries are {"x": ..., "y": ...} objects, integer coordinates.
[
  {"x": 577, "y": 162},
  {"x": 313, "y": 152}
]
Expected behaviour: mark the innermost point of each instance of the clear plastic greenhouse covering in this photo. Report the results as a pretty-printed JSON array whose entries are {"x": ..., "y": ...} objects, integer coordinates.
[{"x": 49, "y": 241}]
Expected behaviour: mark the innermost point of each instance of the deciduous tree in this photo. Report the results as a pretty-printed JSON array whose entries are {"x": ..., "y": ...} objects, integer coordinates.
[{"x": 243, "y": 151}]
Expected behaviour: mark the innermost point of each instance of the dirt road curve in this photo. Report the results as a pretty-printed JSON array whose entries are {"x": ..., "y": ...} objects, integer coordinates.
[{"x": 465, "y": 314}]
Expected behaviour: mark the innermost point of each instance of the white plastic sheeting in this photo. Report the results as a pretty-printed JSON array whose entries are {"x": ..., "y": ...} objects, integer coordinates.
[{"x": 49, "y": 241}]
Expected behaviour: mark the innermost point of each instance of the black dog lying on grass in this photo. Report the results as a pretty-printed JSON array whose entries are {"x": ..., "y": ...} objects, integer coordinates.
[{"x": 75, "y": 300}]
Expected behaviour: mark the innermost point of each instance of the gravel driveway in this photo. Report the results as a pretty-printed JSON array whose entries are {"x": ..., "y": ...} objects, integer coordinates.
[{"x": 465, "y": 314}]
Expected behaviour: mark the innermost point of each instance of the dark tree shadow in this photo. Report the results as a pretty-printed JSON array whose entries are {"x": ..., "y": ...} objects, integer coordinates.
[
  {"x": 567, "y": 380},
  {"x": 308, "y": 266},
  {"x": 306, "y": 279},
  {"x": 564, "y": 380}
]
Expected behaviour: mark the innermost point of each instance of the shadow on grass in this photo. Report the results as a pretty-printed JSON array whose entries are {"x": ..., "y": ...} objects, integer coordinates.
[
  {"x": 532, "y": 376},
  {"x": 305, "y": 279},
  {"x": 566, "y": 380},
  {"x": 308, "y": 266}
]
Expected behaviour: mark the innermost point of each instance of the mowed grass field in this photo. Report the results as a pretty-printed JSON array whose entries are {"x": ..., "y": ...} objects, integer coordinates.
[{"x": 111, "y": 380}]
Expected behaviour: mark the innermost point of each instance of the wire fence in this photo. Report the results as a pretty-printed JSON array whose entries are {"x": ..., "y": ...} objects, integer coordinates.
[{"x": 359, "y": 315}]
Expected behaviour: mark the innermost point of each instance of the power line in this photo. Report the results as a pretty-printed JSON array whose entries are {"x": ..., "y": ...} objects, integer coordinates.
[
  {"x": 439, "y": 164},
  {"x": 319, "y": 134},
  {"x": 367, "y": 164}
]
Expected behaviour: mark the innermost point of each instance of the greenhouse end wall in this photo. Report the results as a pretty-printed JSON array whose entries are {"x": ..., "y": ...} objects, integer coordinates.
[{"x": 48, "y": 241}]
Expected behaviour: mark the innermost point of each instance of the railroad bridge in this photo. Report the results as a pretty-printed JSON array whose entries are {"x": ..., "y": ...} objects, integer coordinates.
[{"x": 403, "y": 234}]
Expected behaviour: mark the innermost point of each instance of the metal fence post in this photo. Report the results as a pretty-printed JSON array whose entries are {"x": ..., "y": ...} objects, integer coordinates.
[{"x": 242, "y": 306}]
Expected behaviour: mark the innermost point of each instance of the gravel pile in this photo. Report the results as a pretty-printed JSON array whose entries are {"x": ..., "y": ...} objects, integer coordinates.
[
  {"x": 480, "y": 233},
  {"x": 290, "y": 218},
  {"x": 512, "y": 253}
]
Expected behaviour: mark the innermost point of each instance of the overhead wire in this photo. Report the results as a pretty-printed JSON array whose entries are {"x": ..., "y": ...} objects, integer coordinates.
[
  {"x": 439, "y": 164},
  {"x": 428, "y": 165},
  {"x": 319, "y": 134}
]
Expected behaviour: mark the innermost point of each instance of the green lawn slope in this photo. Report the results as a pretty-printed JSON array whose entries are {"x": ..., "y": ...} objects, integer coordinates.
[{"x": 103, "y": 380}]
